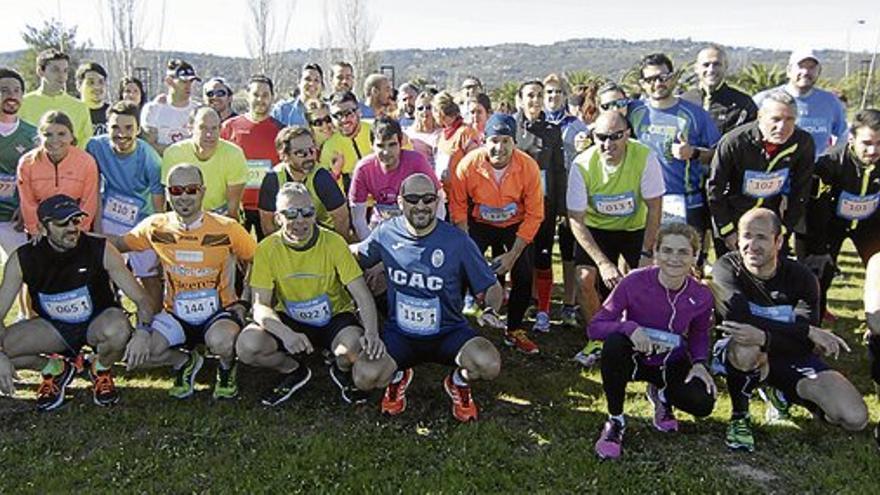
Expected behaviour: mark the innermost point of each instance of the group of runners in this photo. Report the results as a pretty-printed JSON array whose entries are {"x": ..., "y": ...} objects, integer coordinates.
[{"x": 360, "y": 229}]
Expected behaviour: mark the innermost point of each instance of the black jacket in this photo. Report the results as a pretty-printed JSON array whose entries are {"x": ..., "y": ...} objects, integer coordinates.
[
  {"x": 728, "y": 107},
  {"x": 542, "y": 141}
]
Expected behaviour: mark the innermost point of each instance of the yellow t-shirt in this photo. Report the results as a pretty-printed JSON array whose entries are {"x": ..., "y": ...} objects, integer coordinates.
[
  {"x": 352, "y": 149},
  {"x": 226, "y": 167},
  {"x": 35, "y": 104},
  {"x": 309, "y": 285},
  {"x": 198, "y": 261}
]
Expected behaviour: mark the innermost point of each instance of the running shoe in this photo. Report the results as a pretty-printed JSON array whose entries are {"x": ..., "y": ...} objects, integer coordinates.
[
  {"x": 290, "y": 383},
  {"x": 349, "y": 392},
  {"x": 185, "y": 381},
  {"x": 394, "y": 401},
  {"x": 542, "y": 322},
  {"x": 226, "y": 384},
  {"x": 610, "y": 443},
  {"x": 570, "y": 316},
  {"x": 664, "y": 417},
  {"x": 50, "y": 393},
  {"x": 463, "y": 406},
  {"x": 590, "y": 355},
  {"x": 778, "y": 407},
  {"x": 518, "y": 340},
  {"x": 104, "y": 391},
  {"x": 739, "y": 434},
  {"x": 470, "y": 306}
]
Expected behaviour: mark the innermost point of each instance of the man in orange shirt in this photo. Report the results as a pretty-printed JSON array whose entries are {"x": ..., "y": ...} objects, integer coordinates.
[{"x": 504, "y": 186}]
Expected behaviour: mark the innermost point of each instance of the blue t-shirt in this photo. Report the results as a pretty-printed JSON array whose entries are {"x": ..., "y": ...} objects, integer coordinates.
[
  {"x": 127, "y": 181},
  {"x": 658, "y": 130},
  {"x": 819, "y": 112},
  {"x": 426, "y": 275},
  {"x": 290, "y": 112}
]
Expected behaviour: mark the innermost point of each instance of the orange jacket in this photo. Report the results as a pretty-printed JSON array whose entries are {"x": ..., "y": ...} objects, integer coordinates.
[
  {"x": 38, "y": 179},
  {"x": 452, "y": 150},
  {"x": 518, "y": 199}
]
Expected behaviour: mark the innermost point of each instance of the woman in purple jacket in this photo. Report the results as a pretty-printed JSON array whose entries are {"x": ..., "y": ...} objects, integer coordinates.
[{"x": 655, "y": 325}]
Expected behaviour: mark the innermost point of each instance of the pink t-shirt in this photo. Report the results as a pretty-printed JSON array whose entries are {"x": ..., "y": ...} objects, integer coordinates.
[{"x": 370, "y": 181}]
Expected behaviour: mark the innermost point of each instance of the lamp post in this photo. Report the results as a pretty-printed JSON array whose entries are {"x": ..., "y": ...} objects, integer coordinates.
[{"x": 848, "y": 45}]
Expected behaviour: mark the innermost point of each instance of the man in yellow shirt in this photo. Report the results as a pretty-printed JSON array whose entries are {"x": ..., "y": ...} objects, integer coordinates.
[{"x": 350, "y": 142}]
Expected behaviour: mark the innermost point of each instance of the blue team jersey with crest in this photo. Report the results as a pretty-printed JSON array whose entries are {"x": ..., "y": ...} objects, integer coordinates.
[{"x": 426, "y": 275}]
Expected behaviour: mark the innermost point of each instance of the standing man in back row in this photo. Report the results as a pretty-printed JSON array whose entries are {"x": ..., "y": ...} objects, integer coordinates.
[
  {"x": 165, "y": 120},
  {"x": 728, "y": 107}
]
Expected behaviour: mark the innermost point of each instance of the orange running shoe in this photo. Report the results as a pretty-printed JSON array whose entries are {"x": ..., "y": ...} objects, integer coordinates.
[
  {"x": 463, "y": 406},
  {"x": 104, "y": 391},
  {"x": 519, "y": 341},
  {"x": 394, "y": 401}
]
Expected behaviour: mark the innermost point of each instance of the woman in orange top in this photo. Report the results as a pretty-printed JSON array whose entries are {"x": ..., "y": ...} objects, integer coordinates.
[
  {"x": 57, "y": 166},
  {"x": 456, "y": 138}
]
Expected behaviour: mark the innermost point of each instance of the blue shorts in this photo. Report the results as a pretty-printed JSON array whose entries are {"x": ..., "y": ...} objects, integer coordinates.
[
  {"x": 320, "y": 337},
  {"x": 75, "y": 335},
  {"x": 409, "y": 351}
]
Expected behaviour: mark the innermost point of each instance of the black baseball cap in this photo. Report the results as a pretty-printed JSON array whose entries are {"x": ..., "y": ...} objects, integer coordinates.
[
  {"x": 179, "y": 69},
  {"x": 58, "y": 208}
]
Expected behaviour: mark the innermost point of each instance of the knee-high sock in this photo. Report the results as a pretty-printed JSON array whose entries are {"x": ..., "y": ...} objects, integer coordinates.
[{"x": 544, "y": 286}]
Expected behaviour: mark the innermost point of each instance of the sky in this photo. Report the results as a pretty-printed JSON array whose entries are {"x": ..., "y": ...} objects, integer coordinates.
[{"x": 221, "y": 27}]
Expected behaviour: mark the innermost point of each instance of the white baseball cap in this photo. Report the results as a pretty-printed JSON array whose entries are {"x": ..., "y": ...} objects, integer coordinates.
[{"x": 798, "y": 56}]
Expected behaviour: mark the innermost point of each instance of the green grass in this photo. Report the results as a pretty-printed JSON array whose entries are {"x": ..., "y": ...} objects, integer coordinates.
[{"x": 539, "y": 421}]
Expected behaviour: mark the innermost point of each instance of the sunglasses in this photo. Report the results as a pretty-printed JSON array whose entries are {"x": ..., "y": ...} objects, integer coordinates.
[
  {"x": 659, "y": 77},
  {"x": 342, "y": 114},
  {"x": 188, "y": 189},
  {"x": 618, "y": 103},
  {"x": 424, "y": 108},
  {"x": 76, "y": 220},
  {"x": 321, "y": 121},
  {"x": 294, "y": 213},
  {"x": 598, "y": 136},
  {"x": 413, "y": 199},
  {"x": 304, "y": 152},
  {"x": 219, "y": 93}
]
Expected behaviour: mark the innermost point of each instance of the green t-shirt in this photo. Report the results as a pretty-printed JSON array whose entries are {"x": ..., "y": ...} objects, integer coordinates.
[
  {"x": 23, "y": 139},
  {"x": 615, "y": 195},
  {"x": 35, "y": 104},
  {"x": 226, "y": 167}
]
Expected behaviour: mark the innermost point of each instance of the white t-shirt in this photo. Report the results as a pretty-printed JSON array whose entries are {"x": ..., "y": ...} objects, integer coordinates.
[
  {"x": 172, "y": 122},
  {"x": 651, "y": 184}
]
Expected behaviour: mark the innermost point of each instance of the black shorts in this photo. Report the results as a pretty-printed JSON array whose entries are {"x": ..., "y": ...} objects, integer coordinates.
[
  {"x": 787, "y": 371},
  {"x": 409, "y": 351},
  {"x": 613, "y": 243},
  {"x": 567, "y": 241},
  {"x": 180, "y": 333},
  {"x": 75, "y": 335},
  {"x": 320, "y": 337}
]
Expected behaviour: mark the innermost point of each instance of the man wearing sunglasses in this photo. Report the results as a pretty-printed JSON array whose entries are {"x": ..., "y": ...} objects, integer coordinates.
[
  {"x": 351, "y": 141},
  {"x": 379, "y": 175},
  {"x": 428, "y": 265},
  {"x": 165, "y": 120},
  {"x": 223, "y": 164},
  {"x": 217, "y": 94},
  {"x": 299, "y": 163},
  {"x": 198, "y": 251},
  {"x": 497, "y": 198},
  {"x": 318, "y": 290},
  {"x": 68, "y": 276},
  {"x": 311, "y": 84},
  {"x": 728, "y": 107},
  {"x": 255, "y": 132}
]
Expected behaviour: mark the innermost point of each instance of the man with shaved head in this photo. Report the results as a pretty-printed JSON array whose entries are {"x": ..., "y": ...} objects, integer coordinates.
[
  {"x": 768, "y": 309},
  {"x": 728, "y": 107},
  {"x": 428, "y": 264}
]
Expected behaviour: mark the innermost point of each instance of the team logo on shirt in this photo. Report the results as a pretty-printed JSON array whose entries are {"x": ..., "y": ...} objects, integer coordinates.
[
  {"x": 437, "y": 258},
  {"x": 20, "y": 149}
]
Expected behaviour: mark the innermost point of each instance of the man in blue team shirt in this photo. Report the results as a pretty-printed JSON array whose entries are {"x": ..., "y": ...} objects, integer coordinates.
[
  {"x": 311, "y": 85},
  {"x": 682, "y": 134},
  {"x": 427, "y": 264},
  {"x": 819, "y": 112},
  {"x": 131, "y": 187}
]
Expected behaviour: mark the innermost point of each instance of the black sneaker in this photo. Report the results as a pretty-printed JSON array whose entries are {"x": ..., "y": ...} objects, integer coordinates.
[
  {"x": 350, "y": 394},
  {"x": 50, "y": 394},
  {"x": 290, "y": 383}
]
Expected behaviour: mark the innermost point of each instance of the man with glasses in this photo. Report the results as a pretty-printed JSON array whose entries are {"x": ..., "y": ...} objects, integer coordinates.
[
  {"x": 497, "y": 198},
  {"x": 217, "y": 94},
  {"x": 299, "y": 163},
  {"x": 68, "y": 275},
  {"x": 311, "y": 85},
  {"x": 308, "y": 292},
  {"x": 350, "y": 143},
  {"x": 728, "y": 107},
  {"x": 166, "y": 119},
  {"x": 255, "y": 132},
  {"x": 378, "y": 177},
  {"x": 377, "y": 95},
  {"x": 222, "y": 163},
  {"x": 428, "y": 265},
  {"x": 197, "y": 249}
]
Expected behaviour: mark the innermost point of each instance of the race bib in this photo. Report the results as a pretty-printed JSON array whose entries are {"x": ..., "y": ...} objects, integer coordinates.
[
  {"x": 782, "y": 313},
  {"x": 7, "y": 186},
  {"x": 74, "y": 306},
  {"x": 497, "y": 215},
  {"x": 121, "y": 209},
  {"x": 195, "y": 307},
  {"x": 256, "y": 171},
  {"x": 854, "y": 207},
  {"x": 615, "y": 205},
  {"x": 674, "y": 209},
  {"x": 387, "y": 211},
  {"x": 418, "y": 316},
  {"x": 315, "y": 312},
  {"x": 764, "y": 184}
]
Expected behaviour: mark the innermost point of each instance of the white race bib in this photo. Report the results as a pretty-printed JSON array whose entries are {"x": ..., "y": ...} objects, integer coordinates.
[
  {"x": 441, "y": 165},
  {"x": 615, "y": 205},
  {"x": 498, "y": 215},
  {"x": 782, "y": 313},
  {"x": 195, "y": 307},
  {"x": 388, "y": 211},
  {"x": 8, "y": 186},
  {"x": 854, "y": 207},
  {"x": 418, "y": 316},
  {"x": 257, "y": 169},
  {"x": 122, "y": 210},
  {"x": 315, "y": 312},
  {"x": 674, "y": 209},
  {"x": 73, "y": 306},
  {"x": 764, "y": 184}
]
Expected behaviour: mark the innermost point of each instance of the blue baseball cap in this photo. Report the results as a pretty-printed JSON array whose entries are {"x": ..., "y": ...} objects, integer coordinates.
[
  {"x": 58, "y": 208},
  {"x": 500, "y": 124}
]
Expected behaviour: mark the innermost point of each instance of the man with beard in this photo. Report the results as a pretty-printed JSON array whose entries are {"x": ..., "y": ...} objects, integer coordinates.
[
  {"x": 351, "y": 141},
  {"x": 819, "y": 112},
  {"x": 91, "y": 82},
  {"x": 217, "y": 94},
  {"x": 406, "y": 104},
  {"x": 377, "y": 96},
  {"x": 428, "y": 264},
  {"x": 166, "y": 119},
  {"x": 255, "y": 133},
  {"x": 16, "y": 138},
  {"x": 129, "y": 170},
  {"x": 195, "y": 248},
  {"x": 728, "y": 107},
  {"x": 311, "y": 85},
  {"x": 68, "y": 275}
]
